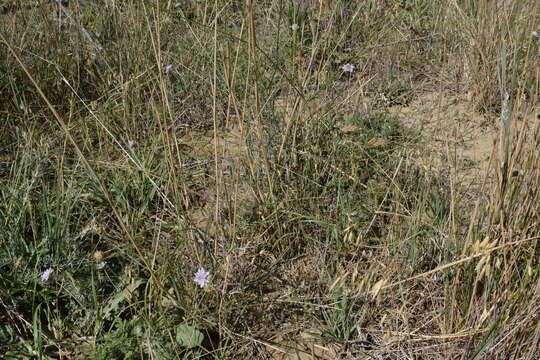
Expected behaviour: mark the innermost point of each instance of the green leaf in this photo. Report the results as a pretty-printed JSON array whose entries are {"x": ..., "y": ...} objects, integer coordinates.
[
  {"x": 7, "y": 336},
  {"x": 188, "y": 337},
  {"x": 113, "y": 305}
]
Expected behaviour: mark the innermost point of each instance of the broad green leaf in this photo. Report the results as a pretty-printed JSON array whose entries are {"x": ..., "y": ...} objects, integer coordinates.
[{"x": 188, "y": 337}]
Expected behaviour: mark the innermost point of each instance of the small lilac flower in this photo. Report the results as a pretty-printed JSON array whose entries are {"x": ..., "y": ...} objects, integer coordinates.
[
  {"x": 348, "y": 68},
  {"x": 46, "y": 274},
  {"x": 346, "y": 12},
  {"x": 168, "y": 69},
  {"x": 312, "y": 65},
  {"x": 297, "y": 3},
  {"x": 201, "y": 277},
  {"x": 295, "y": 27},
  {"x": 327, "y": 24}
]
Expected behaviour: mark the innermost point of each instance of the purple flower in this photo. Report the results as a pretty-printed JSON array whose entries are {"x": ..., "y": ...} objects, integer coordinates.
[
  {"x": 312, "y": 65},
  {"x": 46, "y": 274},
  {"x": 327, "y": 24},
  {"x": 201, "y": 277},
  {"x": 346, "y": 12},
  {"x": 295, "y": 27},
  {"x": 348, "y": 68},
  {"x": 168, "y": 69}
]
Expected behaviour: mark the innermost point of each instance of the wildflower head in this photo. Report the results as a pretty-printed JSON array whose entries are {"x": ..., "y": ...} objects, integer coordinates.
[
  {"x": 327, "y": 24},
  {"x": 98, "y": 256},
  {"x": 348, "y": 68},
  {"x": 168, "y": 69},
  {"x": 312, "y": 65},
  {"x": 535, "y": 35},
  {"x": 46, "y": 274},
  {"x": 201, "y": 277},
  {"x": 295, "y": 27}
]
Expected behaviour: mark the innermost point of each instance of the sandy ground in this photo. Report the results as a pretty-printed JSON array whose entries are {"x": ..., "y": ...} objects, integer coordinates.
[{"x": 456, "y": 137}]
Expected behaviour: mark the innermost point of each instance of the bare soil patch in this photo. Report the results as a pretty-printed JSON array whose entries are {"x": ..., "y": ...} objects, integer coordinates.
[{"x": 456, "y": 137}]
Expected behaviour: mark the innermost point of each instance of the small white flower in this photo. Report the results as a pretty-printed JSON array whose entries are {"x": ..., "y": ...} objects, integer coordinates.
[
  {"x": 535, "y": 35},
  {"x": 348, "y": 68},
  {"x": 201, "y": 277},
  {"x": 101, "y": 265},
  {"x": 295, "y": 27},
  {"x": 132, "y": 143},
  {"x": 168, "y": 69},
  {"x": 46, "y": 274}
]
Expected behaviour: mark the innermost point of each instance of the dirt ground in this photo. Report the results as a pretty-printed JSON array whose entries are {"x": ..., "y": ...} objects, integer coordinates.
[{"x": 456, "y": 137}]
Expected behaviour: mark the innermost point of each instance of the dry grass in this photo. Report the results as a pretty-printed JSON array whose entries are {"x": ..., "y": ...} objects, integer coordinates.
[{"x": 141, "y": 141}]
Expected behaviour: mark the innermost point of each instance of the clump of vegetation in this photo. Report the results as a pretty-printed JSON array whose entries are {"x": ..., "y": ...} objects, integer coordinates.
[{"x": 225, "y": 180}]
